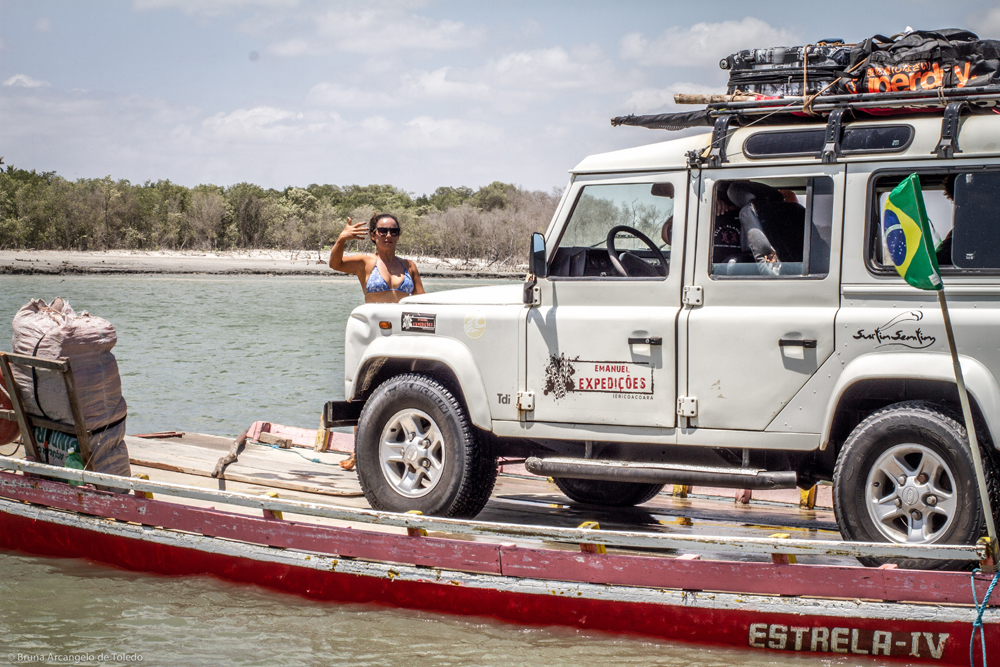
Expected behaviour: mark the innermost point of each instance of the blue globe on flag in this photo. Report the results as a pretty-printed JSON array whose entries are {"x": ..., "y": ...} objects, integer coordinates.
[{"x": 895, "y": 238}]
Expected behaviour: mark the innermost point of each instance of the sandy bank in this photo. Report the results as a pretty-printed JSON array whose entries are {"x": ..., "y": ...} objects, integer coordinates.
[{"x": 119, "y": 262}]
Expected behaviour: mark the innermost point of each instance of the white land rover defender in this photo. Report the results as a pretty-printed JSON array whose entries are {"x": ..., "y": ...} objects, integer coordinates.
[{"x": 717, "y": 310}]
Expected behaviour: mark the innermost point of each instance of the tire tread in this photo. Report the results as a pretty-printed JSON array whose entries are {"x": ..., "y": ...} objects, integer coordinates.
[{"x": 479, "y": 477}]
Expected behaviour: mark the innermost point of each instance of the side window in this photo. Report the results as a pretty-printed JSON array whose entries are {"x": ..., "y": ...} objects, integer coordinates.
[
  {"x": 977, "y": 218},
  {"x": 774, "y": 228},
  {"x": 617, "y": 231},
  {"x": 968, "y": 226}
]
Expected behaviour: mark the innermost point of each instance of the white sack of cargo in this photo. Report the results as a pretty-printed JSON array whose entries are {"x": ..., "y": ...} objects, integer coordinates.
[{"x": 52, "y": 331}]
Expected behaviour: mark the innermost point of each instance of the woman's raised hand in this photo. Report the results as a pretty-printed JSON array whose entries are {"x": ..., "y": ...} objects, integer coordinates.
[{"x": 356, "y": 230}]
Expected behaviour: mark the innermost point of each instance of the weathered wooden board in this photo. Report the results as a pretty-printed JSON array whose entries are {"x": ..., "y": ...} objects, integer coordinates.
[
  {"x": 680, "y": 516},
  {"x": 303, "y": 437},
  {"x": 258, "y": 464},
  {"x": 742, "y": 577},
  {"x": 346, "y": 542}
]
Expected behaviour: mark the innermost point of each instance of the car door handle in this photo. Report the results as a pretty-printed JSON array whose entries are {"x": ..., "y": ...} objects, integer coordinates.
[
  {"x": 652, "y": 340},
  {"x": 790, "y": 342}
]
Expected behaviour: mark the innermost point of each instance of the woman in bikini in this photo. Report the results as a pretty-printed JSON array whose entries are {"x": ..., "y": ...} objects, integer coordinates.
[{"x": 384, "y": 277}]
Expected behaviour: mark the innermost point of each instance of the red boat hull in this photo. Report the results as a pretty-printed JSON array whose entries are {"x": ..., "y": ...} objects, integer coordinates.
[{"x": 910, "y": 633}]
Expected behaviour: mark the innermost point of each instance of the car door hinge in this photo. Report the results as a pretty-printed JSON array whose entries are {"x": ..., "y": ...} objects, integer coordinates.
[
  {"x": 526, "y": 400},
  {"x": 693, "y": 295},
  {"x": 687, "y": 406}
]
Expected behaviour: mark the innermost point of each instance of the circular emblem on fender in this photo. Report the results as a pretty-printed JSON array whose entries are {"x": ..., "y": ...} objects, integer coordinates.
[
  {"x": 475, "y": 325},
  {"x": 909, "y": 495}
]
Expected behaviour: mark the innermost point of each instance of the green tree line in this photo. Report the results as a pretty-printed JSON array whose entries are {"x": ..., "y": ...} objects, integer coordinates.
[{"x": 42, "y": 210}]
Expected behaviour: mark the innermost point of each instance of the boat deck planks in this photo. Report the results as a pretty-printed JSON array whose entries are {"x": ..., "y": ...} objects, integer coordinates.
[
  {"x": 257, "y": 464},
  {"x": 516, "y": 499}
]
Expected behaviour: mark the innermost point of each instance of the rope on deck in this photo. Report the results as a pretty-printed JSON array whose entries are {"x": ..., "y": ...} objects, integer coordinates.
[
  {"x": 295, "y": 451},
  {"x": 978, "y": 623}
]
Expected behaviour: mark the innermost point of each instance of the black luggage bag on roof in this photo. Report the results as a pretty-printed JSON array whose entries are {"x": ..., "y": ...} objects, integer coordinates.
[
  {"x": 779, "y": 71},
  {"x": 915, "y": 60},
  {"x": 922, "y": 60}
]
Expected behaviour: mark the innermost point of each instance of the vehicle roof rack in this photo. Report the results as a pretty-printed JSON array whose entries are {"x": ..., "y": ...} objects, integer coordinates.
[
  {"x": 725, "y": 116},
  {"x": 916, "y": 101}
]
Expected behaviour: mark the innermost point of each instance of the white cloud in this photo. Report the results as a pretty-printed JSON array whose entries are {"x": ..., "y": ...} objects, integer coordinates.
[
  {"x": 425, "y": 132},
  {"x": 24, "y": 81},
  {"x": 258, "y": 123},
  {"x": 985, "y": 23},
  {"x": 43, "y": 25},
  {"x": 388, "y": 28},
  {"x": 376, "y": 29},
  {"x": 82, "y": 134},
  {"x": 703, "y": 44},
  {"x": 555, "y": 68},
  {"x": 335, "y": 95},
  {"x": 211, "y": 8},
  {"x": 655, "y": 100},
  {"x": 438, "y": 84},
  {"x": 290, "y": 47}
]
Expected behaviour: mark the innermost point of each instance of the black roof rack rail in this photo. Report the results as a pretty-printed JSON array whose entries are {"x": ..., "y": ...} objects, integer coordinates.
[
  {"x": 831, "y": 140},
  {"x": 984, "y": 96},
  {"x": 948, "y": 143},
  {"x": 980, "y": 99},
  {"x": 831, "y": 109},
  {"x": 720, "y": 133}
]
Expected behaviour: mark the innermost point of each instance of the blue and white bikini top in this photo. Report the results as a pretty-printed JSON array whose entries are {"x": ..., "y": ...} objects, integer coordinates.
[{"x": 376, "y": 283}]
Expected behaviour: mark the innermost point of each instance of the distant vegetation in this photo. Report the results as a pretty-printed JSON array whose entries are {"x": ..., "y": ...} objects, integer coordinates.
[{"x": 47, "y": 212}]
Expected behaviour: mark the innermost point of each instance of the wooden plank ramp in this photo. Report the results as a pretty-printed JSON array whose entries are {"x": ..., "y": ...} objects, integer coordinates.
[{"x": 195, "y": 454}]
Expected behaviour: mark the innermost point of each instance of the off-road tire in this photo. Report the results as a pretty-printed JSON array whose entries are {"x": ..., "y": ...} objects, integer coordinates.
[
  {"x": 602, "y": 492},
  {"x": 898, "y": 427},
  {"x": 469, "y": 469}
]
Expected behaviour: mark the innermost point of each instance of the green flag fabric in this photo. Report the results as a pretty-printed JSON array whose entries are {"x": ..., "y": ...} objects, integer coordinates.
[{"x": 908, "y": 236}]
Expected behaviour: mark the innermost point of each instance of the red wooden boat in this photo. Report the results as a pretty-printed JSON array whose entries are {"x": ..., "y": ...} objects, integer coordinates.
[{"x": 673, "y": 582}]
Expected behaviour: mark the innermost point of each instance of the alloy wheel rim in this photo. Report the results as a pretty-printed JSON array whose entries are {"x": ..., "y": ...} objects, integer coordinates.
[
  {"x": 910, "y": 494},
  {"x": 411, "y": 453}
]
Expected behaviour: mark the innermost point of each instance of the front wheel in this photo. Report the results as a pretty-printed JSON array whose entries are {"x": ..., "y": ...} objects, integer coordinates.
[
  {"x": 601, "y": 492},
  {"x": 417, "y": 450},
  {"x": 906, "y": 474}
]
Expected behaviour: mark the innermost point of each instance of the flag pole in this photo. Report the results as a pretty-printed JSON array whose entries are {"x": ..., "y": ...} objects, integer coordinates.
[{"x": 963, "y": 397}]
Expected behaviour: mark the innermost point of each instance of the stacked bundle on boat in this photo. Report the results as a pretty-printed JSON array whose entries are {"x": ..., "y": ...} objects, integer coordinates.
[
  {"x": 52, "y": 331},
  {"x": 914, "y": 69}
]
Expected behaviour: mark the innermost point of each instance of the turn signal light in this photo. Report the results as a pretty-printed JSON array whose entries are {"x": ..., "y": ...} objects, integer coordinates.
[{"x": 385, "y": 326}]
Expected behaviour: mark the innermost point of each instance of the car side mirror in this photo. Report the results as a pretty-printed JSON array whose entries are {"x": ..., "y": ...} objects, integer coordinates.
[{"x": 536, "y": 258}]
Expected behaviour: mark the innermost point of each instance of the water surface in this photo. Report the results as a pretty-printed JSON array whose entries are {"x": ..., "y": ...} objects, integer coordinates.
[{"x": 213, "y": 354}]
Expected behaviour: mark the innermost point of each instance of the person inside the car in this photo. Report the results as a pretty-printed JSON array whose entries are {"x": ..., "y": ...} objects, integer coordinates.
[
  {"x": 943, "y": 250},
  {"x": 727, "y": 237}
]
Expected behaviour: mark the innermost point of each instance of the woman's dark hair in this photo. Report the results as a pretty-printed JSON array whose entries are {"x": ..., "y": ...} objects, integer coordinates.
[{"x": 373, "y": 223}]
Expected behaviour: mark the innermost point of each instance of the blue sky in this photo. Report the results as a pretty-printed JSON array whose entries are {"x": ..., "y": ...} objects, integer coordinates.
[{"x": 414, "y": 93}]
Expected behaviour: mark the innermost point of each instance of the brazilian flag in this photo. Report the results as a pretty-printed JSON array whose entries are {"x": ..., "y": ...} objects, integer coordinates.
[{"x": 908, "y": 236}]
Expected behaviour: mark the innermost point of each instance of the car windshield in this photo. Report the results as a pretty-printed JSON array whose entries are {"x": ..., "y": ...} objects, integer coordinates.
[{"x": 641, "y": 206}]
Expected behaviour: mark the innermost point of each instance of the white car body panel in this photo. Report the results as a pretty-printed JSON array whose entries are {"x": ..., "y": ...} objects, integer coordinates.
[{"x": 724, "y": 353}]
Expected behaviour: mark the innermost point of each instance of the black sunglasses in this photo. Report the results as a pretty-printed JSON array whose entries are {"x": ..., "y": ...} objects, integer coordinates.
[{"x": 387, "y": 231}]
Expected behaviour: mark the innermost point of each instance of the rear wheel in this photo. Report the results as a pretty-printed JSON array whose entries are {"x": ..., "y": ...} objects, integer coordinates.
[
  {"x": 601, "y": 492},
  {"x": 417, "y": 450},
  {"x": 906, "y": 475}
]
